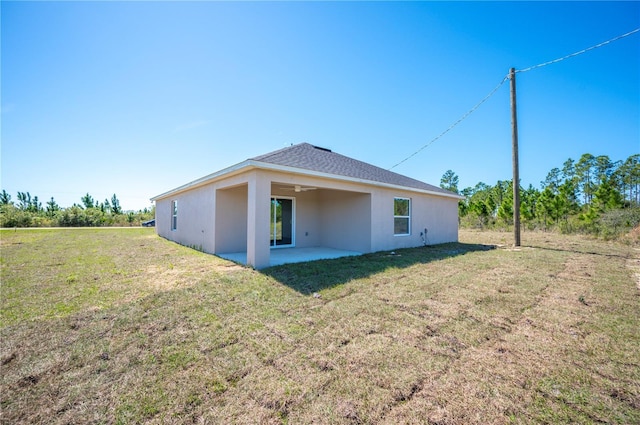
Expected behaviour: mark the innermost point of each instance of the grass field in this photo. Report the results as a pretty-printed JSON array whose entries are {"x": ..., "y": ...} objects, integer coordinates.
[{"x": 118, "y": 326}]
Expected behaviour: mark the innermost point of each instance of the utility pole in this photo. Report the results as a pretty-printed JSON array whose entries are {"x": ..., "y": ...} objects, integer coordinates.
[{"x": 516, "y": 172}]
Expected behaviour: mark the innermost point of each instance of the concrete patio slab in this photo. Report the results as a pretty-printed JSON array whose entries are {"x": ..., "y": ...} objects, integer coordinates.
[{"x": 281, "y": 256}]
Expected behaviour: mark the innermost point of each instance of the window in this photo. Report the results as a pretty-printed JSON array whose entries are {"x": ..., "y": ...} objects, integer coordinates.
[
  {"x": 401, "y": 216},
  {"x": 174, "y": 215}
]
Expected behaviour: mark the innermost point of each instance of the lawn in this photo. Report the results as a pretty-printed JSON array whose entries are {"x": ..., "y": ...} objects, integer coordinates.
[{"x": 119, "y": 326}]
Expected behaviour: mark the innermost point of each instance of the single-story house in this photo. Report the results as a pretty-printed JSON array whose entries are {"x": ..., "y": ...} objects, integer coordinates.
[{"x": 302, "y": 197}]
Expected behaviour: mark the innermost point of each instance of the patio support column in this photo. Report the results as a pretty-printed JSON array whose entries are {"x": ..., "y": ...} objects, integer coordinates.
[{"x": 258, "y": 210}]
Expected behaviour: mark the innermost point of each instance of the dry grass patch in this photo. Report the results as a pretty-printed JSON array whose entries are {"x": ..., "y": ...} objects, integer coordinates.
[{"x": 152, "y": 332}]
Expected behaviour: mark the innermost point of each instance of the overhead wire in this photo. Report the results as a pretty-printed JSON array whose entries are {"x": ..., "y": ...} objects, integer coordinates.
[
  {"x": 462, "y": 118},
  {"x": 540, "y": 65},
  {"x": 604, "y": 43}
]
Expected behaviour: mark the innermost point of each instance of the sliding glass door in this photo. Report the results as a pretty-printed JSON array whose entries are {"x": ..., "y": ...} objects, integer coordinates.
[{"x": 282, "y": 222}]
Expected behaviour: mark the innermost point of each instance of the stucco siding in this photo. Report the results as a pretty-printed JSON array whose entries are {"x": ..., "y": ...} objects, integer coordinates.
[
  {"x": 436, "y": 214},
  {"x": 195, "y": 225},
  {"x": 163, "y": 218},
  {"x": 345, "y": 219},
  {"x": 231, "y": 219},
  {"x": 258, "y": 214},
  {"x": 440, "y": 217}
]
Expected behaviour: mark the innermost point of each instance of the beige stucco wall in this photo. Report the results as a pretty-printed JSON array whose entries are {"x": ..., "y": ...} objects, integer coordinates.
[
  {"x": 195, "y": 218},
  {"x": 231, "y": 219},
  {"x": 345, "y": 219},
  {"x": 437, "y": 214},
  {"x": 338, "y": 214}
]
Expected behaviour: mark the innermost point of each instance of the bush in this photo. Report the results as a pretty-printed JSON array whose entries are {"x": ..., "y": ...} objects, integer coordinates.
[
  {"x": 10, "y": 216},
  {"x": 611, "y": 224},
  {"x": 617, "y": 222},
  {"x": 78, "y": 217}
]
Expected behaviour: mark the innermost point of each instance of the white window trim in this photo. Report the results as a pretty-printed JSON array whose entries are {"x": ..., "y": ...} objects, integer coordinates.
[
  {"x": 408, "y": 217},
  {"x": 174, "y": 215}
]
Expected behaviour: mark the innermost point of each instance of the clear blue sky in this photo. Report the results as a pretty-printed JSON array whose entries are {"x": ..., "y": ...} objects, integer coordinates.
[{"x": 135, "y": 98}]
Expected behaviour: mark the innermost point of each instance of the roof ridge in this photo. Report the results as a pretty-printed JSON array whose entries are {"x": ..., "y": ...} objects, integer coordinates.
[{"x": 278, "y": 151}]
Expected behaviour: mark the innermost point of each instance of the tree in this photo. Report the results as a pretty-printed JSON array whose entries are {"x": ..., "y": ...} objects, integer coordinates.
[
  {"x": 482, "y": 203},
  {"x": 585, "y": 174},
  {"x": 547, "y": 206},
  {"x": 505, "y": 210},
  {"x": 5, "y": 198},
  {"x": 463, "y": 205},
  {"x": 105, "y": 207},
  {"x": 27, "y": 203},
  {"x": 87, "y": 201},
  {"x": 528, "y": 203},
  {"x": 553, "y": 180},
  {"x": 628, "y": 173},
  {"x": 568, "y": 202},
  {"x": 24, "y": 200},
  {"x": 569, "y": 169},
  {"x": 449, "y": 181},
  {"x": 52, "y": 207},
  {"x": 603, "y": 167},
  {"x": 115, "y": 205},
  {"x": 607, "y": 196},
  {"x": 501, "y": 191},
  {"x": 35, "y": 206}
]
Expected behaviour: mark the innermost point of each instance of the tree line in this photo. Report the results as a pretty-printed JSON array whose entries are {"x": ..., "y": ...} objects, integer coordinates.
[
  {"x": 29, "y": 211},
  {"x": 593, "y": 195}
]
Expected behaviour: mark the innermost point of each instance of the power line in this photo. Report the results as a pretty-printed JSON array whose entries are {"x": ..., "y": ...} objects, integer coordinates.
[
  {"x": 455, "y": 123},
  {"x": 540, "y": 65}
]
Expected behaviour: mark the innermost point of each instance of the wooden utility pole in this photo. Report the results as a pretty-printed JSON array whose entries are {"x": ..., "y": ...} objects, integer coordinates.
[{"x": 516, "y": 172}]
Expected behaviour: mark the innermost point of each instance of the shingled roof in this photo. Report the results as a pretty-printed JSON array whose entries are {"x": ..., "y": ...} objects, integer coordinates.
[
  {"x": 317, "y": 160},
  {"x": 314, "y": 158}
]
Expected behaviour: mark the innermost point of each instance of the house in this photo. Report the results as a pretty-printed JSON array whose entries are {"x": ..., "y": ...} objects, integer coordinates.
[{"x": 303, "y": 197}]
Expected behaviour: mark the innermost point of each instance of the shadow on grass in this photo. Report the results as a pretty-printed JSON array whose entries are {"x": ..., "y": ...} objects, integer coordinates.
[
  {"x": 576, "y": 251},
  {"x": 314, "y": 276}
]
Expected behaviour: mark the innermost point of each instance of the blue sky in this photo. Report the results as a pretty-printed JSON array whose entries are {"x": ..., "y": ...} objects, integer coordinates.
[{"x": 135, "y": 98}]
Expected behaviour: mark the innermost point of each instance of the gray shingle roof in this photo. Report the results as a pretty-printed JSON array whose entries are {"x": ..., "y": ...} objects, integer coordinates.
[{"x": 309, "y": 157}]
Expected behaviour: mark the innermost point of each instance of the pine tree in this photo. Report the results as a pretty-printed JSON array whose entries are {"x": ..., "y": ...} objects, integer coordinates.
[
  {"x": 449, "y": 181},
  {"x": 115, "y": 205},
  {"x": 52, "y": 207},
  {"x": 5, "y": 198},
  {"x": 87, "y": 201}
]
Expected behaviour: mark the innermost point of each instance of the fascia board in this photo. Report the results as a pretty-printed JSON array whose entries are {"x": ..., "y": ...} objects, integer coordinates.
[
  {"x": 251, "y": 164},
  {"x": 218, "y": 175}
]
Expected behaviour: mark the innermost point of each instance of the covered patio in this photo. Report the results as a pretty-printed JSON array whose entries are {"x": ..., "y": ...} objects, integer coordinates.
[
  {"x": 281, "y": 256},
  {"x": 289, "y": 223}
]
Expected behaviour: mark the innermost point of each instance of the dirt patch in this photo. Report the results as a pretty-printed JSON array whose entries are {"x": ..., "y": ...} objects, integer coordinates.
[
  {"x": 228, "y": 267},
  {"x": 634, "y": 265}
]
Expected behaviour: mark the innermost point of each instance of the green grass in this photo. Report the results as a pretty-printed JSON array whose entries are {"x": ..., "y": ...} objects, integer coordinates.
[{"x": 120, "y": 326}]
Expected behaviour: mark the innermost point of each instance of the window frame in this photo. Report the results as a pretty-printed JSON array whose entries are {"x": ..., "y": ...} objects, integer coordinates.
[
  {"x": 272, "y": 243},
  {"x": 174, "y": 215},
  {"x": 403, "y": 217}
]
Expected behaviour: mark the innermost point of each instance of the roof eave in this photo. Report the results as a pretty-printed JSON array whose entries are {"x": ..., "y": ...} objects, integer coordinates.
[
  {"x": 218, "y": 175},
  {"x": 252, "y": 164}
]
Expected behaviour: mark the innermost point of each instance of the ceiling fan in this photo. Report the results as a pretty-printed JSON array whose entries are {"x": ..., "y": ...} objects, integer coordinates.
[{"x": 297, "y": 188}]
